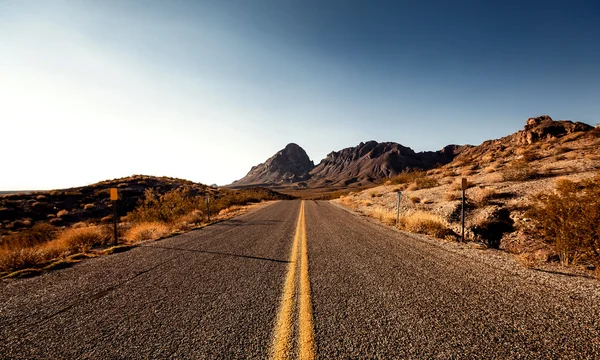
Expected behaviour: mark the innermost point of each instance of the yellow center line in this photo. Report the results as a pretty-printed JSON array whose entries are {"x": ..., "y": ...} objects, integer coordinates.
[
  {"x": 283, "y": 333},
  {"x": 305, "y": 316}
]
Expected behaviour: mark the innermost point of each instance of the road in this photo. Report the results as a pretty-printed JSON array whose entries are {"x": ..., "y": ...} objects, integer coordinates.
[{"x": 297, "y": 280}]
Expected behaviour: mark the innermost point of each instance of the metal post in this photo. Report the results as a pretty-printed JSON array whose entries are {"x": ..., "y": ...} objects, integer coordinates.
[
  {"x": 462, "y": 236},
  {"x": 115, "y": 221},
  {"x": 207, "y": 207},
  {"x": 398, "y": 208}
]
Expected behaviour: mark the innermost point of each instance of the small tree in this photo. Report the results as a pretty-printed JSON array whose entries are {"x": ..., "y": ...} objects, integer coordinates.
[{"x": 569, "y": 219}]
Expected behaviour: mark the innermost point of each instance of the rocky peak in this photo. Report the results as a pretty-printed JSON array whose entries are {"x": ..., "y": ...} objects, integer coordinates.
[
  {"x": 291, "y": 164},
  {"x": 544, "y": 128}
]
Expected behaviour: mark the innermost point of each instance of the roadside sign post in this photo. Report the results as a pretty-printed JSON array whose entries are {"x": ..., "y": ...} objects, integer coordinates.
[
  {"x": 398, "y": 208},
  {"x": 114, "y": 196},
  {"x": 208, "y": 207},
  {"x": 462, "y": 211}
]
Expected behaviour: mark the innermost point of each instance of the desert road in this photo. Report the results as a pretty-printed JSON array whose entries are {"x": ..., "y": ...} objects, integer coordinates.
[{"x": 297, "y": 279}]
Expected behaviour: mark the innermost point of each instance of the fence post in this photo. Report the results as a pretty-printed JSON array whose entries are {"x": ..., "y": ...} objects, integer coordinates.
[
  {"x": 462, "y": 211},
  {"x": 208, "y": 207},
  {"x": 398, "y": 208}
]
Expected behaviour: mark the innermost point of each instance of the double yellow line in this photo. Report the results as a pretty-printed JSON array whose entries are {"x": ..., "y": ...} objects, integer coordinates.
[{"x": 284, "y": 328}]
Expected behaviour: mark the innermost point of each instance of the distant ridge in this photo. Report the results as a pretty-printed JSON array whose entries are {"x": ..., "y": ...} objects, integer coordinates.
[{"x": 360, "y": 165}]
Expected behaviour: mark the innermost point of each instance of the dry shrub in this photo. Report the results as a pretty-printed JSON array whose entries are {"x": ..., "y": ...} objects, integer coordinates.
[
  {"x": 425, "y": 223},
  {"x": 489, "y": 169},
  {"x": 40, "y": 233},
  {"x": 483, "y": 196},
  {"x": 561, "y": 150},
  {"x": 382, "y": 214},
  {"x": 146, "y": 231},
  {"x": 79, "y": 239},
  {"x": 407, "y": 177},
  {"x": 167, "y": 207},
  {"x": 452, "y": 195},
  {"x": 568, "y": 219},
  {"x": 519, "y": 170},
  {"x": 35, "y": 251},
  {"x": 18, "y": 258},
  {"x": 423, "y": 183},
  {"x": 414, "y": 199}
]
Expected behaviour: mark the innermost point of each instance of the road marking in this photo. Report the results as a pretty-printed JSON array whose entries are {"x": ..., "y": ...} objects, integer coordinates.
[
  {"x": 283, "y": 333},
  {"x": 305, "y": 316}
]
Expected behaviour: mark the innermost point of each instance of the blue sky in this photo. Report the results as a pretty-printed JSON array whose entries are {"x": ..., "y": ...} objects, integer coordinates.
[{"x": 204, "y": 90}]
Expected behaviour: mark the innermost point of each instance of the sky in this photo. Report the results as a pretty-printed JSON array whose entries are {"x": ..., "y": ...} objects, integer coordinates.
[{"x": 204, "y": 90}]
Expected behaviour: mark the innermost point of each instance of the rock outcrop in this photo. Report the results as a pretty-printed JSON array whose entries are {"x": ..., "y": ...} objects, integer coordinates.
[
  {"x": 289, "y": 165},
  {"x": 537, "y": 129},
  {"x": 372, "y": 161}
]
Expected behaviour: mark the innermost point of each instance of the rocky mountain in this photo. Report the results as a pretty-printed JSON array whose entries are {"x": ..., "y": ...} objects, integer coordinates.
[
  {"x": 537, "y": 129},
  {"x": 362, "y": 164},
  {"x": 289, "y": 165},
  {"x": 372, "y": 161}
]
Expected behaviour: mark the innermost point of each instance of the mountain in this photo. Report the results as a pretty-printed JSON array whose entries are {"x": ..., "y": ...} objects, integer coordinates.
[
  {"x": 289, "y": 165},
  {"x": 537, "y": 129},
  {"x": 365, "y": 163},
  {"x": 372, "y": 161}
]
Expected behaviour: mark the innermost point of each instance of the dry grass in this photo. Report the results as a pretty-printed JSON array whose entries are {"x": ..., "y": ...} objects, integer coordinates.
[
  {"x": 489, "y": 169},
  {"x": 452, "y": 195},
  {"x": 425, "y": 223},
  {"x": 39, "y": 250},
  {"x": 382, "y": 214},
  {"x": 414, "y": 199},
  {"x": 80, "y": 239},
  {"x": 519, "y": 170},
  {"x": 146, "y": 231},
  {"x": 483, "y": 196},
  {"x": 424, "y": 182}
]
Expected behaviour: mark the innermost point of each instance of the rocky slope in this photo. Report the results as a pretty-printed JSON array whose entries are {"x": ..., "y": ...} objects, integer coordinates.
[
  {"x": 505, "y": 176},
  {"x": 92, "y": 204},
  {"x": 355, "y": 166},
  {"x": 372, "y": 161},
  {"x": 289, "y": 165},
  {"x": 537, "y": 129}
]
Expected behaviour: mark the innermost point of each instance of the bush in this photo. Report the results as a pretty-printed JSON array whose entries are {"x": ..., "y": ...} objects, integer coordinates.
[
  {"x": 568, "y": 219},
  {"x": 79, "y": 239},
  {"x": 167, "y": 207},
  {"x": 40, "y": 233},
  {"x": 424, "y": 182},
  {"x": 519, "y": 170},
  {"x": 406, "y": 177},
  {"x": 146, "y": 231},
  {"x": 425, "y": 223}
]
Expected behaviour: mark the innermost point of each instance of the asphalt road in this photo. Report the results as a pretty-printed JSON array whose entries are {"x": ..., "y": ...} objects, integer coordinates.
[{"x": 311, "y": 281}]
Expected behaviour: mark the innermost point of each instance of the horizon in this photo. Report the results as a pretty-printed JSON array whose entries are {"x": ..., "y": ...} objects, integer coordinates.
[{"x": 204, "y": 91}]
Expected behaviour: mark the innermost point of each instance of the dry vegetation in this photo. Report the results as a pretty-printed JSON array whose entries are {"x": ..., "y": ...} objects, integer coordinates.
[
  {"x": 514, "y": 201},
  {"x": 157, "y": 215}
]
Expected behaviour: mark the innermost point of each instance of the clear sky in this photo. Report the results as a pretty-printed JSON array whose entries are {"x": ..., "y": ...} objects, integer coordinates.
[{"x": 203, "y": 90}]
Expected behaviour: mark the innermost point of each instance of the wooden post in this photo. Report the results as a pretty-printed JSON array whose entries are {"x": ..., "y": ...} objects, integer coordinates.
[
  {"x": 398, "y": 208},
  {"x": 208, "y": 207},
  {"x": 114, "y": 196},
  {"x": 462, "y": 216}
]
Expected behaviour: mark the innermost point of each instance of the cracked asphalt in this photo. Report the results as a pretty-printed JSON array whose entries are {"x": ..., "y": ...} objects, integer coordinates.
[{"x": 214, "y": 293}]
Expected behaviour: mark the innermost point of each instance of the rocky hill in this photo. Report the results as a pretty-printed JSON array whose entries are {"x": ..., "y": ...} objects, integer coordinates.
[
  {"x": 537, "y": 129},
  {"x": 354, "y": 166},
  {"x": 289, "y": 165},
  {"x": 91, "y": 203},
  {"x": 506, "y": 180},
  {"x": 372, "y": 161}
]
